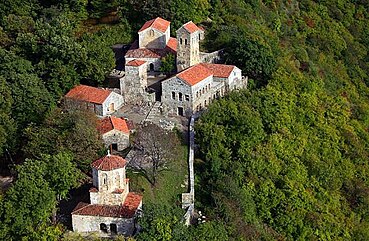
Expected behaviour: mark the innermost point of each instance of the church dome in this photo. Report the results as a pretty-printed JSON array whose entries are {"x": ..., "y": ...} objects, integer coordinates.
[{"x": 109, "y": 162}]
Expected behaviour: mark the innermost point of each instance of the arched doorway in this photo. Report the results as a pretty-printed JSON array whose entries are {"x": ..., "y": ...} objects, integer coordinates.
[
  {"x": 113, "y": 228},
  {"x": 151, "y": 66}
]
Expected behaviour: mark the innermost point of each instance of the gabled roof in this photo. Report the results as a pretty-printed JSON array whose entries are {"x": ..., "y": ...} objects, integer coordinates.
[
  {"x": 112, "y": 123},
  {"x": 219, "y": 70},
  {"x": 88, "y": 94},
  {"x": 194, "y": 74},
  {"x": 172, "y": 44},
  {"x": 109, "y": 162},
  {"x": 127, "y": 210},
  {"x": 191, "y": 27},
  {"x": 135, "y": 63},
  {"x": 157, "y": 23}
]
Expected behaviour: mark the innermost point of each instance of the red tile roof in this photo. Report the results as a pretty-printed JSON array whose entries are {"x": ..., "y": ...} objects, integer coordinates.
[
  {"x": 219, "y": 70},
  {"x": 172, "y": 44},
  {"x": 191, "y": 27},
  {"x": 88, "y": 94},
  {"x": 109, "y": 162},
  {"x": 127, "y": 210},
  {"x": 135, "y": 63},
  {"x": 143, "y": 53},
  {"x": 194, "y": 74},
  {"x": 112, "y": 123},
  {"x": 157, "y": 23}
]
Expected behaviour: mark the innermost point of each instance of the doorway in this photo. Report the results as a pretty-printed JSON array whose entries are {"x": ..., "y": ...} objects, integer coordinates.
[
  {"x": 114, "y": 147},
  {"x": 113, "y": 228},
  {"x": 151, "y": 67},
  {"x": 111, "y": 107},
  {"x": 180, "y": 111}
]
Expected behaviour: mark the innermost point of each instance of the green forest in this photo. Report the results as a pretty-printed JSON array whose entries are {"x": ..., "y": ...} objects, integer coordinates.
[{"x": 286, "y": 159}]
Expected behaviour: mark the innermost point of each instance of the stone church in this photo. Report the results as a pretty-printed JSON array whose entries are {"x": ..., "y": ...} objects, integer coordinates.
[
  {"x": 113, "y": 208},
  {"x": 199, "y": 79}
]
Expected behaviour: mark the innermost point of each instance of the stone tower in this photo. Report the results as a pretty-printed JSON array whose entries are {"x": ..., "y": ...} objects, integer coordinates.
[
  {"x": 188, "y": 46},
  {"x": 109, "y": 181},
  {"x": 133, "y": 84}
]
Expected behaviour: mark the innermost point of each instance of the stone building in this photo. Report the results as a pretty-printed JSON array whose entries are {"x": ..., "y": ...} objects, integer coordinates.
[
  {"x": 102, "y": 102},
  {"x": 188, "y": 48},
  {"x": 154, "y": 42},
  {"x": 112, "y": 209},
  {"x": 115, "y": 133},
  {"x": 199, "y": 78},
  {"x": 197, "y": 86},
  {"x": 133, "y": 85}
]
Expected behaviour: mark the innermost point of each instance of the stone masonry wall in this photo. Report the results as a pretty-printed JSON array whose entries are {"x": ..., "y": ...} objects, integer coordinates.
[
  {"x": 178, "y": 87},
  {"x": 188, "y": 48},
  {"x": 114, "y": 179},
  {"x": 152, "y": 38},
  {"x": 134, "y": 83},
  {"x": 92, "y": 224},
  {"x": 155, "y": 61},
  {"x": 116, "y": 137}
]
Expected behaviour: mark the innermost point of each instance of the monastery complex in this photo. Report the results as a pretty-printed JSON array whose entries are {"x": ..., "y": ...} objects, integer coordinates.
[{"x": 199, "y": 79}]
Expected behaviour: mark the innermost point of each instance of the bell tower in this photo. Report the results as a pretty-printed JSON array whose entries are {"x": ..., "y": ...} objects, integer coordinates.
[{"x": 188, "y": 45}]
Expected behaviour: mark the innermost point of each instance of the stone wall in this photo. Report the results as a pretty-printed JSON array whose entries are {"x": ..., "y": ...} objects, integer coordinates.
[
  {"x": 215, "y": 57},
  {"x": 108, "y": 198},
  {"x": 152, "y": 38},
  {"x": 84, "y": 224},
  {"x": 114, "y": 179},
  {"x": 172, "y": 102},
  {"x": 116, "y": 137},
  {"x": 156, "y": 62},
  {"x": 133, "y": 84},
  {"x": 203, "y": 93},
  {"x": 188, "y": 48},
  {"x": 72, "y": 104}
]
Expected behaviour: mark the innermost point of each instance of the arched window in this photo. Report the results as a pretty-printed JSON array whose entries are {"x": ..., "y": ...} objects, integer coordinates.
[
  {"x": 105, "y": 178},
  {"x": 180, "y": 98},
  {"x": 117, "y": 180},
  {"x": 103, "y": 228},
  {"x": 151, "y": 67},
  {"x": 180, "y": 41},
  {"x": 151, "y": 33},
  {"x": 113, "y": 228}
]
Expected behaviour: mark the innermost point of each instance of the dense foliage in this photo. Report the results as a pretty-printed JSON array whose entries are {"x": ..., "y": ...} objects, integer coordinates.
[
  {"x": 290, "y": 160},
  {"x": 287, "y": 159}
]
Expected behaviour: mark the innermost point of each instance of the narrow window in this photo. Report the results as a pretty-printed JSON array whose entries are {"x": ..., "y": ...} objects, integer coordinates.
[
  {"x": 180, "y": 41},
  {"x": 151, "y": 32},
  {"x": 173, "y": 95},
  {"x": 185, "y": 41},
  {"x": 180, "y": 96},
  {"x": 205, "y": 103},
  {"x": 105, "y": 179},
  {"x": 187, "y": 97}
]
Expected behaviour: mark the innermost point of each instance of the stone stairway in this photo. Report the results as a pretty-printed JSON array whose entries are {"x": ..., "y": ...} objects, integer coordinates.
[{"x": 154, "y": 113}]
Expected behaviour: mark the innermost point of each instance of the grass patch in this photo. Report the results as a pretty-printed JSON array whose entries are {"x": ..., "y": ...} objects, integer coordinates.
[{"x": 168, "y": 189}]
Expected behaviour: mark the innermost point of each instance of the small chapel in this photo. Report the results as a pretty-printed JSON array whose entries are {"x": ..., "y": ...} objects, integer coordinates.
[{"x": 113, "y": 209}]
